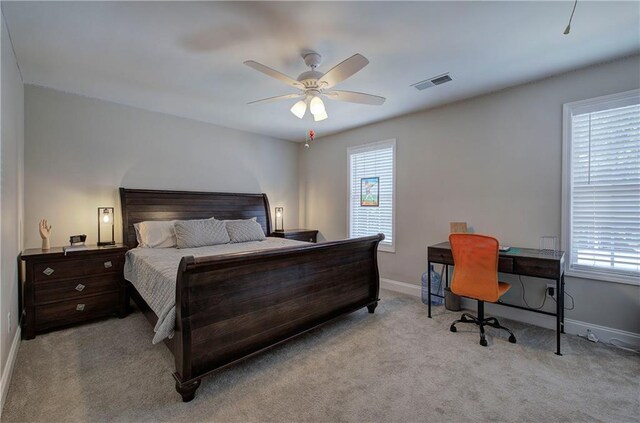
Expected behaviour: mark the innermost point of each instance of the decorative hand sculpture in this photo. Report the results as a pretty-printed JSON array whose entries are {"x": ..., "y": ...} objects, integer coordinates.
[{"x": 45, "y": 233}]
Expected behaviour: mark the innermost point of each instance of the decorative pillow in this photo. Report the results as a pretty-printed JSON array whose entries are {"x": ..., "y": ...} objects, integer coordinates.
[
  {"x": 198, "y": 233},
  {"x": 244, "y": 230},
  {"x": 155, "y": 234}
]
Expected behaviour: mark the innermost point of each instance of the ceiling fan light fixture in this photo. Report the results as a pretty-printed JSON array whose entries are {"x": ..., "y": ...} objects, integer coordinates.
[
  {"x": 320, "y": 116},
  {"x": 299, "y": 109},
  {"x": 316, "y": 106}
]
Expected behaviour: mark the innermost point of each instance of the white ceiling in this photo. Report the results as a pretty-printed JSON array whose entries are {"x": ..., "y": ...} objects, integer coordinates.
[{"x": 185, "y": 58}]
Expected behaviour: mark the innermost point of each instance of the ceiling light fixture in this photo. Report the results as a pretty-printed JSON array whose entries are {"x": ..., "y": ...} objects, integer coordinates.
[
  {"x": 568, "y": 28},
  {"x": 299, "y": 109},
  {"x": 312, "y": 85},
  {"x": 320, "y": 116},
  {"x": 316, "y": 106}
]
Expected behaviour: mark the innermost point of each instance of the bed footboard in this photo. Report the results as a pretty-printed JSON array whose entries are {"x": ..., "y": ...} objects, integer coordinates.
[{"x": 233, "y": 306}]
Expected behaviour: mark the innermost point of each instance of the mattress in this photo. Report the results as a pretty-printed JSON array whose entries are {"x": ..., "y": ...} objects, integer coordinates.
[{"x": 153, "y": 271}]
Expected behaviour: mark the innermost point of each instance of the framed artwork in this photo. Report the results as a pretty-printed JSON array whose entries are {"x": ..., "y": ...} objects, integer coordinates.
[{"x": 370, "y": 192}]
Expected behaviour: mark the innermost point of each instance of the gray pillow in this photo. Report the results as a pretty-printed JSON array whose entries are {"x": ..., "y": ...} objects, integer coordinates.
[
  {"x": 244, "y": 230},
  {"x": 198, "y": 233}
]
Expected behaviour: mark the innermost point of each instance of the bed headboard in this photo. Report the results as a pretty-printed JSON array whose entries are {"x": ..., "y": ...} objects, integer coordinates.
[{"x": 139, "y": 205}]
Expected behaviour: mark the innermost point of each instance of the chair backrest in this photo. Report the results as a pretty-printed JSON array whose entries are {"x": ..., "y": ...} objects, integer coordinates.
[{"x": 475, "y": 258}]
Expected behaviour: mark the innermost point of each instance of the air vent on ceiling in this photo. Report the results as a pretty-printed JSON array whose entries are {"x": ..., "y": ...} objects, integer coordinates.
[{"x": 432, "y": 82}]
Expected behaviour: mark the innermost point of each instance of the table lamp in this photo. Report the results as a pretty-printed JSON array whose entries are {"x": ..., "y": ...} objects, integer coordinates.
[
  {"x": 106, "y": 225},
  {"x": 279, "y": 218}
]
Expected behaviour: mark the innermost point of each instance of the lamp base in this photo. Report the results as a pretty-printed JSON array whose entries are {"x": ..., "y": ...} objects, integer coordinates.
[{"x": 106, "y": 244}]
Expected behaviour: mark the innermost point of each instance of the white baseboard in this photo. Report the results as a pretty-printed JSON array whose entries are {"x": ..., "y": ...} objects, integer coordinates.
[
  {"x": 573, "y": 327},
  {"x": 7, "y": 372},
  {"x": 605, "y": 334},
  {"x": 402, "y": 287}
]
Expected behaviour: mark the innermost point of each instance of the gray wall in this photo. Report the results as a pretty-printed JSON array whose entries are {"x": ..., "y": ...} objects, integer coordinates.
[
  {"x": 492, "y": 161},
  {"x": 79, "y": 150},
  {"x": 11, "y": 189}
]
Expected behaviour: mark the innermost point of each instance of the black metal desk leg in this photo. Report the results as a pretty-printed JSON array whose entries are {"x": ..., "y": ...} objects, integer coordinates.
[
  {"x": 562, "y": 305},
  {"x": 559, "y": 314},
  {"x": 429, "y": 286},
  {"x": 446, "y": 272}
]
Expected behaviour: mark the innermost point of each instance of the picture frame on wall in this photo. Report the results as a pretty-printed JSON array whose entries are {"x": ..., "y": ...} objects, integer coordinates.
[{"x": 370, "y": 192}]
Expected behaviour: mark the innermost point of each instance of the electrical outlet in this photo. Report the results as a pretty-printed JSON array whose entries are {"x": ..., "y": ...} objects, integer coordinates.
[
  {"x": 551, "y": 290},
  {"x": 9, "y": 322}
]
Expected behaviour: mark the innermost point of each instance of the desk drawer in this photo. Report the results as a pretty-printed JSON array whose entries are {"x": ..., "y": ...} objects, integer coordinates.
[
  {"x": 439, "y": 256},
  {"x": 505, "y": 264},
  {"x": 64, "y": 269},
  {"x": 53, "y": 291},
  {"x": 537, "y": 267},
  {"x": 74, "y": 311}
]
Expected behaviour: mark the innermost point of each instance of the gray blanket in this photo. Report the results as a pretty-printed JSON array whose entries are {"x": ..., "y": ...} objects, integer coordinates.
[{"x": 153, "y": 272}]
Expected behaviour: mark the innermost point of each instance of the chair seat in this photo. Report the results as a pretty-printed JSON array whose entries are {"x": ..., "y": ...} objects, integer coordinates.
[{"x": 502, "y": 288}]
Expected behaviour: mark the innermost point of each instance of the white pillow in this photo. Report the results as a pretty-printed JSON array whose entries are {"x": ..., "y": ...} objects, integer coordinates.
[
  {"x": 244, "y": 230},
  {"x": 199, "y": 233},
  {"x": 156, "y": 234}
]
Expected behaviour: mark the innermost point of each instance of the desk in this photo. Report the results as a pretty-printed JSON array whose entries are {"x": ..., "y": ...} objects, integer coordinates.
[{"x": 517, "y": 261}]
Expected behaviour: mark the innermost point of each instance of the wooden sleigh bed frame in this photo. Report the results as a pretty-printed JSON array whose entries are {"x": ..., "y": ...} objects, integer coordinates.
[{"x": 232, "y": 306}]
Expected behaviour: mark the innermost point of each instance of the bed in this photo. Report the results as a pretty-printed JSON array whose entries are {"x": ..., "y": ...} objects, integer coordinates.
[{"x": 231, "y": 306}]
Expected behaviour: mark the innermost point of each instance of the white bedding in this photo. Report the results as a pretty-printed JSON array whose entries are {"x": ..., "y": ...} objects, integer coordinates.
[{"x": 153, "y": 272}]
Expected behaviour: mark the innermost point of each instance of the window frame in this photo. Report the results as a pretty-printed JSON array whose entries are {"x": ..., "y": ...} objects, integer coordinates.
[
  {"x": 568, "y": 110},
  {"x": 387, "y": 248}
]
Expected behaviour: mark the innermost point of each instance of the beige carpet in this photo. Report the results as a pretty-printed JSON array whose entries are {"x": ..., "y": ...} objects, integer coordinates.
[{"x": 394, "y": 366}]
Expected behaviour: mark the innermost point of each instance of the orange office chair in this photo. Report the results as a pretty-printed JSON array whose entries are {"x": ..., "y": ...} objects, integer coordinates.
[{"x": 475, "y": 275}]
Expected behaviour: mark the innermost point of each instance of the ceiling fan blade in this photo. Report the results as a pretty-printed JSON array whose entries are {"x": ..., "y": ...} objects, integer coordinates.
[
  {"x": 355, "y": 97},
  {"x": 277, "y": 98},
  {"x": 343, "y": 70},
  {"x": 273, "y": 73}
]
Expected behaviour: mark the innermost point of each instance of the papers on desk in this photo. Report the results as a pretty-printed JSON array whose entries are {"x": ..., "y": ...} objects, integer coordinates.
[{"x": 504, "y": 248}]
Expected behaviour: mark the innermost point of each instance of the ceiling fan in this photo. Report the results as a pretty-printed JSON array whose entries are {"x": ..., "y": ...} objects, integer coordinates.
[{"x": 314, "y": 84}]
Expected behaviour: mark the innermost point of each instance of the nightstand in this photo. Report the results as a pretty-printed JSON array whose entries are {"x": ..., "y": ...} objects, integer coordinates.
[
  {"x": 61, "y": 290},
  {"x": 308, "y": 235}
]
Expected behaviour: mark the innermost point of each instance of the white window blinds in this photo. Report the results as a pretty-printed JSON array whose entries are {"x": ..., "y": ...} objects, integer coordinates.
[
  {"x": 605, "y": 189},
  {"x": 371, "y": 191}
]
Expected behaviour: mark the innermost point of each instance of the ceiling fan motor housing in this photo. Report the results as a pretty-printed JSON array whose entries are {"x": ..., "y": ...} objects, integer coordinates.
[
  {"x": 310, "y": 78},
  {"x": 312, "y": 60}
]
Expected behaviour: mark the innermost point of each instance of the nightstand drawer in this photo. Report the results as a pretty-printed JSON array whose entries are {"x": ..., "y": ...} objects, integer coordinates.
[
  {"x": 73, "y": 268},
  {"x": 307, "y": 237},
  {"x": 67, "y": 312},
  {"x": 75, "y": 288}
]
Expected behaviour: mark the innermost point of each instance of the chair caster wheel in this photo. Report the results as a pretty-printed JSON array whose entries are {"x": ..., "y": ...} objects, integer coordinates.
[
  {"x": 483, "y": 342},
  {"x": 453, "y": 329},
  {"x": 512, "y": 339}
]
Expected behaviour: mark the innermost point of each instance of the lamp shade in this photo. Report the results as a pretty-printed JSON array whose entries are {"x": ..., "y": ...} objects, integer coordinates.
[
  {"x": 320, "y": 116},
  {"x": 279, "y": 218},
  {"x": 316, "y": 106},
  {"x": 299, "y": 109},
  {"x": 106, "y": 226}
]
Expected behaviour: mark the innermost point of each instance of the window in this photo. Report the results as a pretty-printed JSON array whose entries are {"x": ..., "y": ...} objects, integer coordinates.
[
  {"x": 601, "y": 188},
  {"x": 372, "y": 172}
]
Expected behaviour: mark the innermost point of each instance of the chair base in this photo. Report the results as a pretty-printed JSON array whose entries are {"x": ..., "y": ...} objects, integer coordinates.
[{"x": 481, "y": 321}]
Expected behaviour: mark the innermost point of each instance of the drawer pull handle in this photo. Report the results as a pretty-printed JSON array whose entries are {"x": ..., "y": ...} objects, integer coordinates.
[
  {"x": 48, "y": 271},
  {"x": 108, "y": 265},
  {"x": 80, "y": 307},
  {"x": 80, "y": 287}
]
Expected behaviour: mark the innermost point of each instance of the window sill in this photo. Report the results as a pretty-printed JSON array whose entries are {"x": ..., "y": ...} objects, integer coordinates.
[
  {"x": 387, "y": 248},
  {"x": 604, "y": 277}
]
